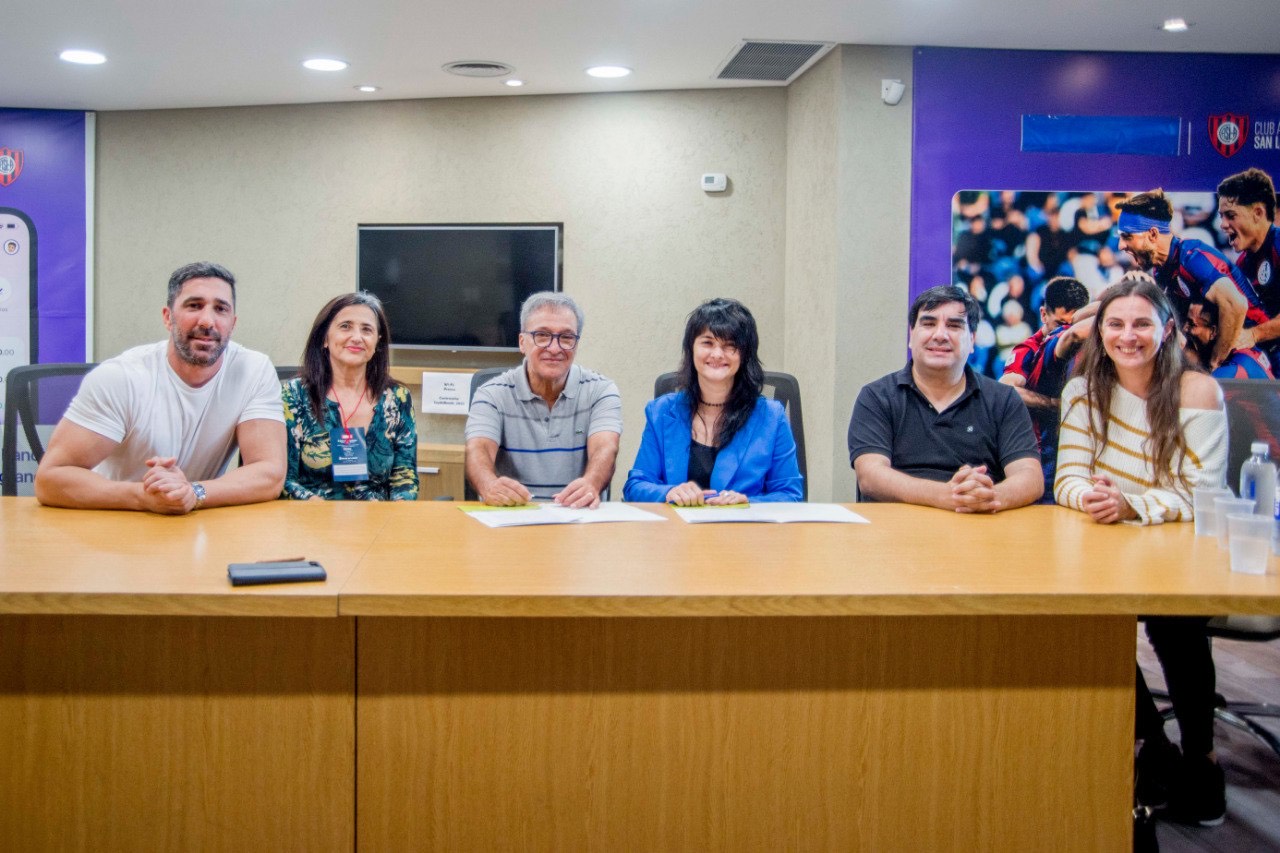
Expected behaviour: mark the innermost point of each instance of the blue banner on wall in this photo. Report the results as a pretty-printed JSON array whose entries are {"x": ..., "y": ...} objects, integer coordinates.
[{"x": 1159, "y": 135}]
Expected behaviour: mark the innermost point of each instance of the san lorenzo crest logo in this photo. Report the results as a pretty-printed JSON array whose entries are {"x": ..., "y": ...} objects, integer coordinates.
[
  {"x": 10, "y": 166},
  {"x": 1228, "y": 133}
]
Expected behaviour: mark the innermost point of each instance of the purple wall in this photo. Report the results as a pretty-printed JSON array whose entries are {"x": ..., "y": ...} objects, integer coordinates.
[
  {"x": 968, "y": 108},
  {"x": 51, "y": 191}
]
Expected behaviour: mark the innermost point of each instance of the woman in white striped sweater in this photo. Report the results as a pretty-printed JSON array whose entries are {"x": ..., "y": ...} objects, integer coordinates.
[{"x": 1140, "y": 430}]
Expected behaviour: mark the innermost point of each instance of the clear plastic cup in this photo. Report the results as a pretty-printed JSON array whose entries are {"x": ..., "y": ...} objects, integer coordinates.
[
  {"x": 1226, "y": 507},
  {"x": 1206, "y": 513},
  {"x": 1250, "y": 543}
]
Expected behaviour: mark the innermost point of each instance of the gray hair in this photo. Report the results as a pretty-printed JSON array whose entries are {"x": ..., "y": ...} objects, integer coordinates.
[
  {"x": 200, "y": 269},
  {"x": 548, "y": 299}
]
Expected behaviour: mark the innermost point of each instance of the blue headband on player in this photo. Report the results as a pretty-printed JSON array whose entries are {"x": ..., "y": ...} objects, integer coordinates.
[{"x": 1136, "y": 223}]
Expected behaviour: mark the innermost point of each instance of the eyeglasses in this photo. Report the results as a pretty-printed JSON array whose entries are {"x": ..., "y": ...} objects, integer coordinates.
[{"x": 568, "y": 340}]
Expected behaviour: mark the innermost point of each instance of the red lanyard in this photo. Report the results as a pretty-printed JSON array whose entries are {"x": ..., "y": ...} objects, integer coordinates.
[{"x": 346, "y": 433}]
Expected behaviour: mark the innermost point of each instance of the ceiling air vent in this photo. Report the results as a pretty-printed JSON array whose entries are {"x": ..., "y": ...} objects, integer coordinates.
[
  {"x": 478, "y": 68},
  {"x": 772, "y": 61}
]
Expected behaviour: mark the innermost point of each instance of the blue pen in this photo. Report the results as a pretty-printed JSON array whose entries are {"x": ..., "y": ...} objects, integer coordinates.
[{"x": 706, "y": 493}]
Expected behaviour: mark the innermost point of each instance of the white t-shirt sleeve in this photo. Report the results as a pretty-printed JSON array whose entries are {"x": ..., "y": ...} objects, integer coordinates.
[
  {"x": 102, "y": 403},
  {"x": 263, "y": 402}
]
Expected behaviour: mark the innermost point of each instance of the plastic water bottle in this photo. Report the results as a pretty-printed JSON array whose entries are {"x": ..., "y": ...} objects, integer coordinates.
[
  {"x": 1275, "y": 531},
  {"x": 1258, "y": 480}
]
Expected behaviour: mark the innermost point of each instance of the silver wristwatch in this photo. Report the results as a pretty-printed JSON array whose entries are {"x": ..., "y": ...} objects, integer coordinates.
[{"x": 198, "y": 489}]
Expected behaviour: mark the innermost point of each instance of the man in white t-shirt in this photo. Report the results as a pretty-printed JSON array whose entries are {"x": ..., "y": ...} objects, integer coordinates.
[{"x": 155, "y": 427}]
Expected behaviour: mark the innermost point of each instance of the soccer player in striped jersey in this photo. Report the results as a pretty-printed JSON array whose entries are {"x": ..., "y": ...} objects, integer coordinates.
[
  {"x": 1039, "y": 367},
  {"x": 1201, "y": 328},
  {"x": 1247, "y": 207},
  {"x": 1188, "y": 271}
]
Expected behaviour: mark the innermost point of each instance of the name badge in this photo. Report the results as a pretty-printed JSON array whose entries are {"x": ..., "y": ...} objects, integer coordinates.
[{"x": 350, "y": 455}]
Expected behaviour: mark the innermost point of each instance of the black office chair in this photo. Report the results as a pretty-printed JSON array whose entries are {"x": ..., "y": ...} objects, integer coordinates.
[
  {"x": 477, "y": 379},
  {"x": 782, "y": 387},
  {"x": 1253, "y": 414},
  {"x": 482, "y": 376},
  {"x": 35, "y": 394}
]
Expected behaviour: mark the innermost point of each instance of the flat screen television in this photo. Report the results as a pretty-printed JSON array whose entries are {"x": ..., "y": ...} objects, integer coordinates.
[{"x": 458, "y": 287}]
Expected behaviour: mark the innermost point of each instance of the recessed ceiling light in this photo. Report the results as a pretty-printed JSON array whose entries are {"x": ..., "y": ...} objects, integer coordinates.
[
  {"x": 367, "y": 89},
  {"x": 513, "y": 82},
  {"x": 324, "y": 64},
  {"x": 1175, "y": 25},
  {"x": 82, "y": 57},
  {"x": 608, "y": 71}
]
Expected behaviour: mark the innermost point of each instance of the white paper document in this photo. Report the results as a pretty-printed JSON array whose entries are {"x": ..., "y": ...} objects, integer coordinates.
[
  {"x": 492, "y": 516},
  {"x": 772, "y": 513},
  {"x": 445, "y": 393}
]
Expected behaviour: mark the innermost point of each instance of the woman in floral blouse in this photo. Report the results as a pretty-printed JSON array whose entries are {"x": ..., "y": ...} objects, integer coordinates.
[{"x": 345, "y": 398}]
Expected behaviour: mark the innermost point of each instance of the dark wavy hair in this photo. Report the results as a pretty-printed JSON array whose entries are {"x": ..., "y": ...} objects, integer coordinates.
[
  {"x": 1166, "y": 441},
  {"x": 1154, "y": 204},
  {"x": 1252, "y": 186},
  {"x": 730, "y": 321},
  {"x": 317, "y": 373}
]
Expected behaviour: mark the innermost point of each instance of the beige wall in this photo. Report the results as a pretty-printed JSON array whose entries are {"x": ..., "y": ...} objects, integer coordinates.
[
  {"x": 848, "y": 223},
  {"x": 874, "y": 235},
  {"x": 812, "y": 256},
  {"x": 275, "y": 193},
  {"x": 812, "y": 234}
]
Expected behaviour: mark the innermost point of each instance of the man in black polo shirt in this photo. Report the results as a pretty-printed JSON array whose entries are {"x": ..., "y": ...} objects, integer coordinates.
[{"x": 937, "y": 434}]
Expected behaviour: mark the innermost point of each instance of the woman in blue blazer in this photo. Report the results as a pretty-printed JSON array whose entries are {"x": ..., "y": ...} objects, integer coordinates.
[{"x": 716, "y": 440}]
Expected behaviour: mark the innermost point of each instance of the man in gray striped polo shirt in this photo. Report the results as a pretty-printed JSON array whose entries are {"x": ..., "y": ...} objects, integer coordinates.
[{"x": 547, "y": 429}]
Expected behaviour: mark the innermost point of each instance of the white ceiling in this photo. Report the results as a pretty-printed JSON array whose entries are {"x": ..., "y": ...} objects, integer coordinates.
[{"x": 199, "y": 53}]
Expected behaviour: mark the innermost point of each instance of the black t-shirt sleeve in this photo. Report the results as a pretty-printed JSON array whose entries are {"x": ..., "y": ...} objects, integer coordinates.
[
  {"x": 1017, "y": 438},
  {"x": 870, "y": 428}
]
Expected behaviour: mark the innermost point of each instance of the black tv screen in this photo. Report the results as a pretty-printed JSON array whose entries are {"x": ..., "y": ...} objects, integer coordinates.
[{"x": 458, "y": 286}]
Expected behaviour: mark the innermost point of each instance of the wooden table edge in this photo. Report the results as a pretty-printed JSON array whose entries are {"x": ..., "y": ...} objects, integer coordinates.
[
  {"x": 958, "y": 604},
  {"x": 167, "y": 604}
]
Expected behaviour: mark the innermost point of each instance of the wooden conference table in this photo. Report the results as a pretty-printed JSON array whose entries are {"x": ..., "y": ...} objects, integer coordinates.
[{"x": 925, "y": 682}]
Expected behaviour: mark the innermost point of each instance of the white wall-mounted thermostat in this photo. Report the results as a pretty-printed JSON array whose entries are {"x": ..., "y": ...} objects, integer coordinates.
[
  {"x": 891, "y": 92},
  {"x": 715, "y": 182}
]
